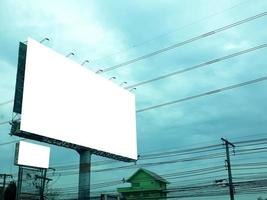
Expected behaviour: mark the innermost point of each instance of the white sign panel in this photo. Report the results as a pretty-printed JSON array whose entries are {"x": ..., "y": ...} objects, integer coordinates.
[
  {"x": 33, "y": 155},
  {"x": 65, "y": 101}
]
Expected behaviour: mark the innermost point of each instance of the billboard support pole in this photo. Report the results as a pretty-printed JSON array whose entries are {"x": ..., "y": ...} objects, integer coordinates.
[{"x": 84, "y": 174}]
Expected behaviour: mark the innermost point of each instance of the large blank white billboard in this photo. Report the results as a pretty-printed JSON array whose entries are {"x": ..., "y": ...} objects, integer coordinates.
[
  {"x": 65, "y": 101},
  {"x": 33, "y": 155}
]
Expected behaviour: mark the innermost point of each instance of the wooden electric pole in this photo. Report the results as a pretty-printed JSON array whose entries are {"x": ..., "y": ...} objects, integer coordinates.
[{"x": 228, "y": 162}]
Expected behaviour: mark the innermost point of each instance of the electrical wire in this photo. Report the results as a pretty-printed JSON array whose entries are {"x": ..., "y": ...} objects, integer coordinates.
[
  {"x": 264, "y": 78},
  {"x": 6, "y": 102},
  {"x": 4, "y": 122},
  {"x": 205, "y": 64},
  {"x": 185, "y": 42},
  {"x": 168, "y": 33}
]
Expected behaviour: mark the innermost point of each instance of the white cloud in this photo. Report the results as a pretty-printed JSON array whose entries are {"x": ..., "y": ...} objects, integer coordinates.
[{"x": 237, "y": 46}]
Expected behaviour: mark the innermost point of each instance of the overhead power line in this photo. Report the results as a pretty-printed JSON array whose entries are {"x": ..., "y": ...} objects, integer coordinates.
[
  {"x": 142, "y": 43},
  {"x": 185, "y": 177},
  {"x": 183, "y": 70},
  {"x": 12, "y": 142},
  {"x": 185, "y": 190},
  {"x": 74, "y": 171},
  {"x": 5, "y": 122},
  {"x": 6, "y": 102},
  {"x": 204, "y": 94},
  {"x": 185, "y": 42},
  {"x": 199, "y": 65},
  {"x": 178, "y": 153}
]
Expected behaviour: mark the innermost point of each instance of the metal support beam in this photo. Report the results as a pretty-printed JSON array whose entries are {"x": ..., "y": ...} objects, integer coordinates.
[
  {"x": 84, "y": 175},
  {"x": 19, "y": 183}
]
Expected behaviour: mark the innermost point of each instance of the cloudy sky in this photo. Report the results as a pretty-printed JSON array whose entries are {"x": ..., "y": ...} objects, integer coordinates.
[{"x": 108, "y": 33}]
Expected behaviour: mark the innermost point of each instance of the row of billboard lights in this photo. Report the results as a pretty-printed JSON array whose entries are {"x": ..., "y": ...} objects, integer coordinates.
[
  {"x": 121, "y": 84},
  {"x": 87, "y": 61}
]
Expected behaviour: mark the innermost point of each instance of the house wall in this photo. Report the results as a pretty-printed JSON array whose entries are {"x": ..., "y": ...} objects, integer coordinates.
[
  {"x": 143, "y": 180},
  {"x": 157, "y": 195},
  {"x": 144, "y": 186}
]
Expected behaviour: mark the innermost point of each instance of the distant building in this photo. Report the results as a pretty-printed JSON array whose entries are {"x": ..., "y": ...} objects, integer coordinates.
[{"x": 145, "y": 185}]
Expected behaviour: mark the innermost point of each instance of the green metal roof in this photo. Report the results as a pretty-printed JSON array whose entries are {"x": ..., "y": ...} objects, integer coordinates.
[{"x": 150, "y": 173}]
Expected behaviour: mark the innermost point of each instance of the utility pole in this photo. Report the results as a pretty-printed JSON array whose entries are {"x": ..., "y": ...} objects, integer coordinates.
[
  {"x": 44, "y": 179},
  {"x": 228, "y": 161}
]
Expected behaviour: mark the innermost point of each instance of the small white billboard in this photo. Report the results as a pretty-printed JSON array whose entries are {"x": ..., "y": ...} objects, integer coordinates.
[
  {"x": 32, "y": 155},
  {"x": 65, "y": 101}
]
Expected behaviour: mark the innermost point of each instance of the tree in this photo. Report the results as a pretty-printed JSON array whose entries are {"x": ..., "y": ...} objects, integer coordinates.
[
  {"x": 10, "y": 191},
  {"x": 50, "y": 194},
  {"x": 260, "y": 198}
]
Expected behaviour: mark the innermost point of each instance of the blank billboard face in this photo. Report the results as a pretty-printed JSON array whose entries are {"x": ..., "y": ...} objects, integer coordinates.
[
  {"x": 33, "y": 155},
  {"x": 65, "y": 101}
]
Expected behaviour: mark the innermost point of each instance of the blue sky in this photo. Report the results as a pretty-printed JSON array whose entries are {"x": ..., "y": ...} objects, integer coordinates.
[{"x": 112, "y": 32}]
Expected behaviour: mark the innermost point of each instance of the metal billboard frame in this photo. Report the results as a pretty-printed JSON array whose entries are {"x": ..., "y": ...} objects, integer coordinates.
[
  {"x": 17, "y": 107},
  {"x": 84, "y": 152}
]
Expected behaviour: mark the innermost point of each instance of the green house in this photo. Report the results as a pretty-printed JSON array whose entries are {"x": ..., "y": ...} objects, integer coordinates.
[{"x": 145, "y": 185}]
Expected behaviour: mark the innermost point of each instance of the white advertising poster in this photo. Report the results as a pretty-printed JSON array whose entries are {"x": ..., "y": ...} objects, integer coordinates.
[
  {"x": 65, "y": 101},
  {"x": 33, "y": 155}
]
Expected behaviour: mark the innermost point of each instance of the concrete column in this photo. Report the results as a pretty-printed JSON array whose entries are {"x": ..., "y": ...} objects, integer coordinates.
[{"x": 84, "y": 175}]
